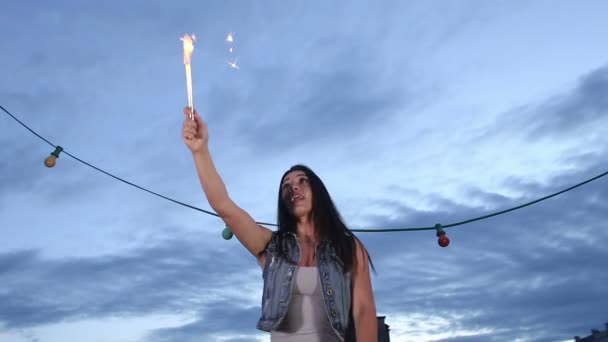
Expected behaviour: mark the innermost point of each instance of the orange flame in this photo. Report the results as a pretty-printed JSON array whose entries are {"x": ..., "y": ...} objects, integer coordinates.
[{"x": 188, "y": 47}]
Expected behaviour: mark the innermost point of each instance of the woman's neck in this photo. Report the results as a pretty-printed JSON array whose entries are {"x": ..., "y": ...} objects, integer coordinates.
[{"x": 306, "y": 230}]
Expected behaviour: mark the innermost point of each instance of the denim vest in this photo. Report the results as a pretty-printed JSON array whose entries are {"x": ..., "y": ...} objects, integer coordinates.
[{"x": 278, "y": 277}]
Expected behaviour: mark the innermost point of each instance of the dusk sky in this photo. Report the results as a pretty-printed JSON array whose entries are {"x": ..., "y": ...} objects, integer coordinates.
[{"x": 412, "y": 112}]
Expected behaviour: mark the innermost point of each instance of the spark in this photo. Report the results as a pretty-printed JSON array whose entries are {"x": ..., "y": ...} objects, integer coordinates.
[
  {"x": 230, "y": 37},
  {"x": 233, "y": 64}
]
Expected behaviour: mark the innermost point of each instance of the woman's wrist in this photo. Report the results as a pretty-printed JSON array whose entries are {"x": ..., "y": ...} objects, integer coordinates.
[{"x": 203, "y": 152}]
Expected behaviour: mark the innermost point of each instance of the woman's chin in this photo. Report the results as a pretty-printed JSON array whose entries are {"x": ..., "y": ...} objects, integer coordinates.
[{"x": 300, "y": 213}]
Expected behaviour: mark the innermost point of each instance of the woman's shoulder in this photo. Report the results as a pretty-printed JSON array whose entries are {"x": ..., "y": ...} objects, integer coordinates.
[{"x": 276, "y": 238}]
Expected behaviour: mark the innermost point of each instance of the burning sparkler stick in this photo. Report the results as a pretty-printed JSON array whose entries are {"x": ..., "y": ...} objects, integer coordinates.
[{"x": 188, "y": 48}]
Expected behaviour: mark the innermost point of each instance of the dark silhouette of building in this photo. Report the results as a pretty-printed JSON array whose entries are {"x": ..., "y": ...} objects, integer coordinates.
[
  {"x": 596, "y": 336},
  {"x": 383, "y": 330}
]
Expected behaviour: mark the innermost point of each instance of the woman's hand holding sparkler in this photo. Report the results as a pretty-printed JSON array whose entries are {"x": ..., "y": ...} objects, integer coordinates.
[{"x": 194, "y": 132}]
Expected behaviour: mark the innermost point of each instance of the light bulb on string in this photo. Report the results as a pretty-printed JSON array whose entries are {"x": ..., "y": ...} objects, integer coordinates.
[
  {"x": 227, "y": 233},
  {"x": 51, "y": 160},
  {"x": 443, "y": 240}
]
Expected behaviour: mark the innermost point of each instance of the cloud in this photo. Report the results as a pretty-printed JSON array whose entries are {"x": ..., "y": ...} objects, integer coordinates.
[
  {"x": 309, "y": 85},
  {"x": 515, "y": 274},
  {"x": 220, "y": 320},
  {"x": 335, "y": 107},
  {"x": 575, "y": 113},
  {"x": 17, "y": 167},
  {"x": 168, "y": 278},
  {"x": 314, "y": 105},
  {"x": 586, "y": 105}
]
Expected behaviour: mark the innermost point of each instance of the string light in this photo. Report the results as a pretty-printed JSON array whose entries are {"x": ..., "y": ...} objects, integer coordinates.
[
  {"x": 227, "y": 233},
  {"x": 443, "y": 240},
  {"x": 51, "y": 160}
]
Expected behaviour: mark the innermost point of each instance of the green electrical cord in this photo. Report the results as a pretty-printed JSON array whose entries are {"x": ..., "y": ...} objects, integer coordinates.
[{"x": 227, "y": 234}]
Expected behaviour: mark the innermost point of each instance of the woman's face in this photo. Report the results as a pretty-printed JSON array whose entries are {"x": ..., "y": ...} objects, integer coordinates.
[{"x": 296, "y": 193}]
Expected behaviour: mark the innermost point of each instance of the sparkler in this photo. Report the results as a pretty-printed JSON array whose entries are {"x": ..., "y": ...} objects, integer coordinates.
[{"x": 188, "y": 48}]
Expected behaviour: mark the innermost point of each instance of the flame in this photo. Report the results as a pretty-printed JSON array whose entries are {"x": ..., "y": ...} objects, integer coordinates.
[{"x": 188, "y": 47}]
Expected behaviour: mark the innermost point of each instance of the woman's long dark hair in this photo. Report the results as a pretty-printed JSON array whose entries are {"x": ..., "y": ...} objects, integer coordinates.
[{"x": 327, "y": 221}]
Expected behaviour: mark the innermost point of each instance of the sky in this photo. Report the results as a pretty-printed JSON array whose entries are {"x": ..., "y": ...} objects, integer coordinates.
[{"x": 412, "y": 113}]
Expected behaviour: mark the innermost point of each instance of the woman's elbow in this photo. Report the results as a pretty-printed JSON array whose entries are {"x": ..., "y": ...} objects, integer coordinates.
[{"x": 225, "y": 209}]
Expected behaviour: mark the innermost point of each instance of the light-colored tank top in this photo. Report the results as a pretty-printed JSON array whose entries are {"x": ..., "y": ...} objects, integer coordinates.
[{"x": 306, "y": 319}]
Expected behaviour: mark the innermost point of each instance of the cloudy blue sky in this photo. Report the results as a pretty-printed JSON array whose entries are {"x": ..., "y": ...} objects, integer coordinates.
[{"x": 413, "y": 113}]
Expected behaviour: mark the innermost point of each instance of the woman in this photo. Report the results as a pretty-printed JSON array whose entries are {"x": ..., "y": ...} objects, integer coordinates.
[{"x": 317, "y": 284}]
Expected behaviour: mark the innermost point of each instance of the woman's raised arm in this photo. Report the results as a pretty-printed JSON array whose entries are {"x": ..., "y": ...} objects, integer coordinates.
[{"x": 254, "y": 237}]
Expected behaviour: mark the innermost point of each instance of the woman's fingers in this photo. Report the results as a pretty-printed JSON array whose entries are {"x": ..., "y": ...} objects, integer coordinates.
[
  {"x": 190, "y": 124},
  {"x": 194, "y": 128},
  {"x": 197, "y": 122},
  {"x": 189, "y": 133},
  {"x": 188, "y": 111},
  {"x": 197, "y": 118}
]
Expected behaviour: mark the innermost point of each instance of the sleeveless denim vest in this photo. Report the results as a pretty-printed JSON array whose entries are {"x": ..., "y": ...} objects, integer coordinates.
[{"x": 278, "y": 277}]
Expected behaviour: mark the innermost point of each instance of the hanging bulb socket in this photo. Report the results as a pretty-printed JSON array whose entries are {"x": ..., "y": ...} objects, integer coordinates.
[
  {"x": 51, "y": 160},
  {"x": 227, "y": 233},
  {"x": 443, "y": 240}
]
